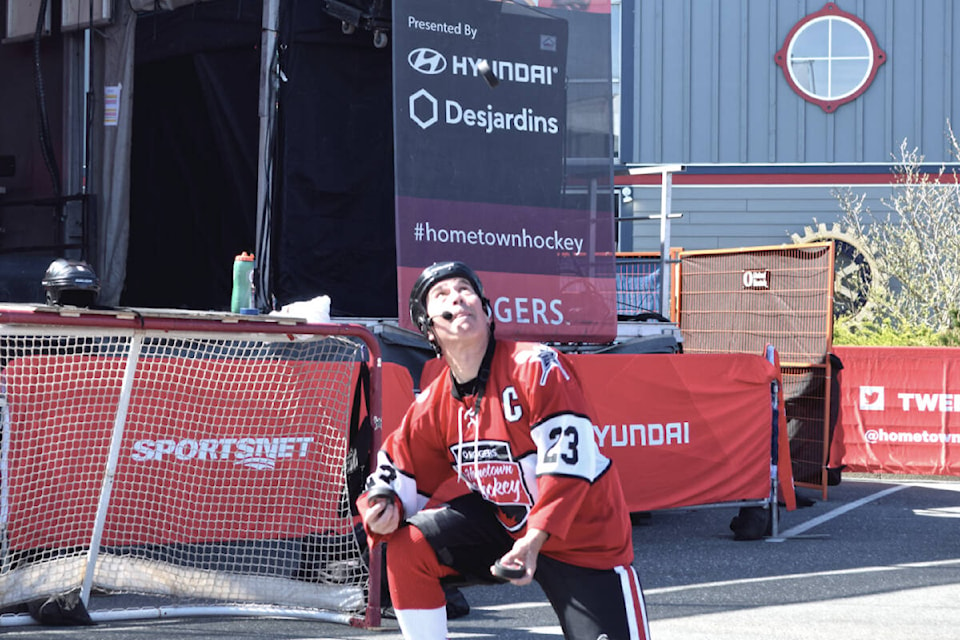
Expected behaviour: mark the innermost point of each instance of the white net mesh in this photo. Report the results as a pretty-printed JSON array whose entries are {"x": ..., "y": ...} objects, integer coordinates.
[{"x": 196, "y": 467}]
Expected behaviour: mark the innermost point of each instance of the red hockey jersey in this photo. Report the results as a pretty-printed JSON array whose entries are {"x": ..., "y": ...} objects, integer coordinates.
[{"x": 529, "y": 448}]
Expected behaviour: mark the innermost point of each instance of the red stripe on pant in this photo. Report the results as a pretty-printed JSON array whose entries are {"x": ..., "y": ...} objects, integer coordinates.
[{"x": 639, "y": 606}]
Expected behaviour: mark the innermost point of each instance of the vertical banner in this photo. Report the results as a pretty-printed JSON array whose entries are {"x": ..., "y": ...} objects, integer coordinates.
[
  {"x": 503, "y": 159},
  {"x": 898, "y": 410}
]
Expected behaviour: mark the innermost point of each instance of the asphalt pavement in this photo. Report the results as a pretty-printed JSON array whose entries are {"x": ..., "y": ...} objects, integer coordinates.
[{"x": 879, "y": 559}]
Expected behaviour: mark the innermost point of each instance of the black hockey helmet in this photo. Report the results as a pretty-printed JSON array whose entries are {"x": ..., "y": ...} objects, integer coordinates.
[
  {"x": 71, "y": 282},
  {"x": 430, "y": 276}
]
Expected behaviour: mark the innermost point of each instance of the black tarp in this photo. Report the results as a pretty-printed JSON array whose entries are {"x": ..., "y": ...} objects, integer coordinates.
[
  {"x": 335, "y": 233},
  {"x": 195, "y": 149}
]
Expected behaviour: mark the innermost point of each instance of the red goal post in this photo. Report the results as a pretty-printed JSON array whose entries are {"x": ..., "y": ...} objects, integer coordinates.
[{"x": 199, "y": 459}]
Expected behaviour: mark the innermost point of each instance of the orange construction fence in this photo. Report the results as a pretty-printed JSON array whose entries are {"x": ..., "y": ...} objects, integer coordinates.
[{"x": 738, "y": 300}]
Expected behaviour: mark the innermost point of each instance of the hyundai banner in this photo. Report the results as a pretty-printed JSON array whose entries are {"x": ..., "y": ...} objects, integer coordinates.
[
  {"x": 698, "y": 432},
  {"x": 502, "y": 160}
]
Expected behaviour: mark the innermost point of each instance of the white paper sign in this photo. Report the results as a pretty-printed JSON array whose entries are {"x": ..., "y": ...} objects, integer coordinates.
[{"x": 111, "y": 105}]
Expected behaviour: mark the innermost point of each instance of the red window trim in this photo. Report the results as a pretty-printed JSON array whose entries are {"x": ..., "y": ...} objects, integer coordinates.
[{"x": 832, "y": 10}]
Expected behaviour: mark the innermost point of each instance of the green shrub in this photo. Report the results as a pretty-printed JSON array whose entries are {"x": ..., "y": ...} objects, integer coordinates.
[
  {"x": 949, "y": 338},
  {"x": 877, "y": 333}
]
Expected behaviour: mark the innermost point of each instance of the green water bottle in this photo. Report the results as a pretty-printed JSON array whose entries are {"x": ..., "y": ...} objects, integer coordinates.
[{"x": 243, "y": 300}]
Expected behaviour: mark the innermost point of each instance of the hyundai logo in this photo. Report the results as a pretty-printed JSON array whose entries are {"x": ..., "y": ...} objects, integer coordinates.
[{"x": 428, "y": 61}]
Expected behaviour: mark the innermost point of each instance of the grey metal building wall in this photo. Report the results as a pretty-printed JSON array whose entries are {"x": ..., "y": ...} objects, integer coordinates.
[
  {"x": 700, "y": 87},
  {"x": 700, "y": 84},
  {"x": 715, "y": 217}
]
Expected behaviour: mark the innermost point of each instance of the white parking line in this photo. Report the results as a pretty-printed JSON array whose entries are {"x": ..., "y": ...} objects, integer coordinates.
[
  {"x": 801, "y": 576},
  {"x": 830, "y": 515},
  {"x": 513, "y": 606}
]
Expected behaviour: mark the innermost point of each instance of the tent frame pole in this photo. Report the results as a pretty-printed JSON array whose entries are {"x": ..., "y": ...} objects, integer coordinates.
[{"x": 269, "y": 77}]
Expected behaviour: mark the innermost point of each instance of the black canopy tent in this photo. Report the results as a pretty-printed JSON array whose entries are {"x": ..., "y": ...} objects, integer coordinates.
[{"x": 200, "y": 147}]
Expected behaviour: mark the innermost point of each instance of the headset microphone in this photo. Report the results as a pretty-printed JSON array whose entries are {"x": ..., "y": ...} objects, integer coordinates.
[{"x": 446, "y": 315}]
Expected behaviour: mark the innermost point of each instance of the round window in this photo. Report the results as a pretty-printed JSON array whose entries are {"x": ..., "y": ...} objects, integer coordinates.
[{"x": 830, "y": 57}]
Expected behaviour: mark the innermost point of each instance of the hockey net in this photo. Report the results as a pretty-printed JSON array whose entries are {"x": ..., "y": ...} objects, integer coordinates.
[{"x": 184, "y": 465}]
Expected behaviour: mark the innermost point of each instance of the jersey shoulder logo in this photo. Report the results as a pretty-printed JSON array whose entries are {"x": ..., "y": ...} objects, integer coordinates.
[
  {"x": 548, "y": 358},
  {"x": 423, "y": 396}
]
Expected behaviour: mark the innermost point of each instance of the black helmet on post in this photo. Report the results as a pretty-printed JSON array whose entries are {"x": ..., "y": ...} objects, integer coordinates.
[
  {"x": 430, "y": 276},
  {"x": 71, "y": 282}
]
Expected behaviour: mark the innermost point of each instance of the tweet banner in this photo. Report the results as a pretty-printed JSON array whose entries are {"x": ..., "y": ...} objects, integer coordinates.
[{"x": 899, "y": 411}]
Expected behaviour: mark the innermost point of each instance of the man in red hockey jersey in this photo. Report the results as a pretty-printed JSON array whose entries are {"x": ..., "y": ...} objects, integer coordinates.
[{"x": 505, "y": 437}]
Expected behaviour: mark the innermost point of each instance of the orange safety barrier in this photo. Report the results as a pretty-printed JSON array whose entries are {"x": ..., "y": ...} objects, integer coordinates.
[{"x": 639, "y": 283}]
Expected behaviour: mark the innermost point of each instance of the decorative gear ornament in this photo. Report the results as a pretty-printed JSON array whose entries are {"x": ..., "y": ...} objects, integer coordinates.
[{"x": 854, "y": 267}]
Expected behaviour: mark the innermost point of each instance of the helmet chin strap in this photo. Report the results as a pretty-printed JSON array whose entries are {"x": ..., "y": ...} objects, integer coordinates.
[{"x": 488, "y": 309}]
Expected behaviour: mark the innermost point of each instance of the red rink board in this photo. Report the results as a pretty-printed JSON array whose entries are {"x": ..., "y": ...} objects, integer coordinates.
[{"x": 231, "y": 467}]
